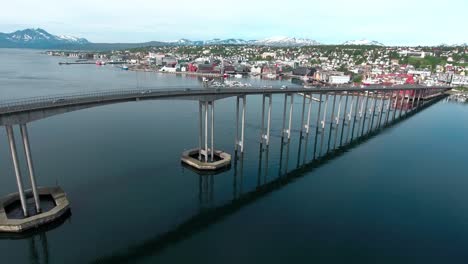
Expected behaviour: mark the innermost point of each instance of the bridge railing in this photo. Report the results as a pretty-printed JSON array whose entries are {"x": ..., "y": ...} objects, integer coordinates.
[{"x": 65, "y": 98}]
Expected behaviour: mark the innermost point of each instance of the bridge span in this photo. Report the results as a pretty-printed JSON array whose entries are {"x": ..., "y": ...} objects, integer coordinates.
[{"x": 343, "y": 114}]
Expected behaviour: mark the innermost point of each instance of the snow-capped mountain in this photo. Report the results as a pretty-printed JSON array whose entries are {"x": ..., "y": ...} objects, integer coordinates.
[
  {"x": 37, "y": 38},
  {"x": 274, "y": 41},
  {"x": 454, "y": 45},
  {"x": 230, "y": 41},
  {"x": 286, "y": 41},
  {"x": 363, "y": 42}
]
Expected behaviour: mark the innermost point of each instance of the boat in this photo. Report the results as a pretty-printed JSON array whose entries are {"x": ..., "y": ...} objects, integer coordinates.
[
  {"x": 124, "y": 67},
  {"x": 271, "y": 75},
  {"x": 238, "y": 75}
]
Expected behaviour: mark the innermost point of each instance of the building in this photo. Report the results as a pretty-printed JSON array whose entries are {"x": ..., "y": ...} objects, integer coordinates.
[
  {"x": 304, "y": 71},
  {"x": 339, "y": 79},
  {"x": 265, "y": 55},
  {"x": 168, "y": 69},
  {"x": 208, "y": 68},
  {"x": 256, "y": 70}
]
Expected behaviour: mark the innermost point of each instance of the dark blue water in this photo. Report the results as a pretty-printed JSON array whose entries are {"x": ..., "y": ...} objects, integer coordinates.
[{"x": 397, "y": 196}]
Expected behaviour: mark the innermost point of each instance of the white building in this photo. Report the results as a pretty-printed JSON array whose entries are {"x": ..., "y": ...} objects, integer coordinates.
[
  {"x": 339, "y": 79},
  {"x": 167, "y": 69}
]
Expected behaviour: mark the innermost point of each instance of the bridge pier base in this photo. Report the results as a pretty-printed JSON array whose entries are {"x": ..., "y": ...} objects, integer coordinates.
[
  {"x": 14, "y": 213},
  {"x": 206, "y": 157}
]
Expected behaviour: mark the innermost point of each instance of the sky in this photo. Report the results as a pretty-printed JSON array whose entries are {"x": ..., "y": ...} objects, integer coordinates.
[{"x": 392, "y": 22}]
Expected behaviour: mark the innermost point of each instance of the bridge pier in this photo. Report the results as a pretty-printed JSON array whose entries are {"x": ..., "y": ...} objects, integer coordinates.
[
  {"x": 381, "y": 106},
  {"x": 348, "y": 116},
  {"x": 331, "y": 122},
  {"x": 317, "y": 125},
  {"x": 323, "y": 122},
  {"x": 265, "y": 137},
  {"x": 337, "y": 119},
  {"x": 365, "y": 114},
  {"x": 401, "y": 105},
  {"x": 288, "y": 130},
  {"x": 358, "y": 99},
  {"x": 206, "y": 157},
  {"x": 14, "y": 157},
  {"x": 27, "y": 150},
  {"x": 9, "y": 220},
  {"x": 240, "y": 143}
]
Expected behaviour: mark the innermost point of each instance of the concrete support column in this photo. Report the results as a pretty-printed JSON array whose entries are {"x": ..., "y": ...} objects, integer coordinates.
[
  {"x": 206, "y": 138},
  {"x": 307, "y": 125},
  {"x": 350, "y": 114},
  {"x": 284, "y": 115},
  {"x": 200, "y": 129},
  {"x": 338, "y": 120},
  {"x": 407, "y": 102},
  {"x": 374, "y": 105},
  {"x": 262, "y": 129},
  {"x": 240, "y": 142},
  {"x": 212, "y": 131},
  {"x": 389, "y": 102},
  {"x": 396, "y": 106},
  {"x": 265, "y": 137},
  {"x": 413, "y": 99},
  {"x": 243, "y": 123},
  {"x": 206, "y": 132},
  {"x": 291, "y": 104},
  {"x": 381, "y": 106},
  {"x": 14, "y": 157},
  {"x": 365, "y": 114},
  {"x": 355, "y": 115},
  {"x": 27, "y": 150},
  {"x": 290, "y": 115},
  {"x": 317, "y": 125},
  {"x": 269, "y": 121},
  {"x": 303, "y": 112},
  {"x": 324, "y": 120},
  {"x": 237, "y": 124},
  {"x": 332, "y": 120},
  {"x": 401, "y": 105}
]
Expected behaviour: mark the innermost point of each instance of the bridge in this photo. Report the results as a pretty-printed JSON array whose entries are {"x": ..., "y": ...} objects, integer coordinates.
[{"x": 344, "y": 114}]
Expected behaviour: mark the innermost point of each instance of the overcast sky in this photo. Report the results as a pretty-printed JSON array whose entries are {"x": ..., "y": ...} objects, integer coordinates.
[{"x": 392, "y": 22}]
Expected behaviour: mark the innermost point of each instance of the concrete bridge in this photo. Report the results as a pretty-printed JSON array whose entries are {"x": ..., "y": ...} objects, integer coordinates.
[{"x": 344, "y": 113}]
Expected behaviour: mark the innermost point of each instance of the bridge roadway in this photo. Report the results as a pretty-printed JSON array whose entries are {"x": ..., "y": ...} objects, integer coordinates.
[{"x": 31, "y": 109}]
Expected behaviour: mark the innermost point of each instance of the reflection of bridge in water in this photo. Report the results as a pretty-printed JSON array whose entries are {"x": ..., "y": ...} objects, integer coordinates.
[
  {"x": 267, "y": 182},
  {"x": 343, "y": 115}
]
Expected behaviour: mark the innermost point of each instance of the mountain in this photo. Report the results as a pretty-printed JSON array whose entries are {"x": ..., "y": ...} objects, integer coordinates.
[
  {"x": 454, "y": 45},
  {"x": 363, "y": 42},
  {"x": 230, "y": 41},
  {"x": 286, "y": 41},
  {"x": 37, "y": 38},
  {"x": 275, "y": 41}
]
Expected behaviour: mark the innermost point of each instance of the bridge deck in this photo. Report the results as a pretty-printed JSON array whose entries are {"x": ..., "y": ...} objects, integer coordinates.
[{"x": 108, "y": 97}]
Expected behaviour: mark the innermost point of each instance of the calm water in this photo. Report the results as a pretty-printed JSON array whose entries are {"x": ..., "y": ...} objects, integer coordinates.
[{"x": 397, "y": 196}]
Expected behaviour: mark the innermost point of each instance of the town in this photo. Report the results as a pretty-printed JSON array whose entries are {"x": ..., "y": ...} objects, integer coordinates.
[{"x": 308, "y": 65}]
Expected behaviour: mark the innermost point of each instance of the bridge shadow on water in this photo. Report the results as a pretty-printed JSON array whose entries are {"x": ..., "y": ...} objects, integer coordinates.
[{"x": 209, "y": 216}]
